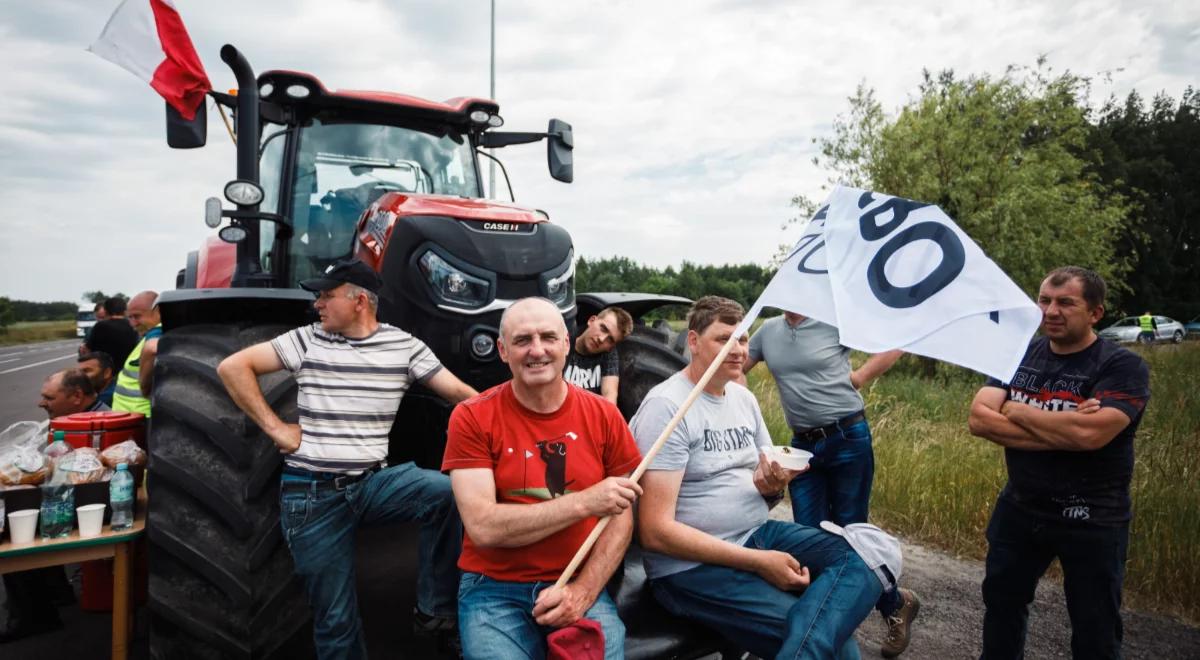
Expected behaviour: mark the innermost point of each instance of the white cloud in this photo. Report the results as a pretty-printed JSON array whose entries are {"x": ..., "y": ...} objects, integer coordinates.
[{"x": 694, "y": 123}]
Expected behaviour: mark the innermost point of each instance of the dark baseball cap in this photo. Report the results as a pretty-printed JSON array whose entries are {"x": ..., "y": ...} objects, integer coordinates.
[{"x": 345, "y": 271}]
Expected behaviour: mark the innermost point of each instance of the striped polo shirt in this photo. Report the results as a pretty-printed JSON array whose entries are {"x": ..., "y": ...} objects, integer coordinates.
[{"x": 350, "y": 390}]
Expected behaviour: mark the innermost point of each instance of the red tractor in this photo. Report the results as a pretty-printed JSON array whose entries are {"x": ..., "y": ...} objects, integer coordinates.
[{"x": 396, "y": 181}]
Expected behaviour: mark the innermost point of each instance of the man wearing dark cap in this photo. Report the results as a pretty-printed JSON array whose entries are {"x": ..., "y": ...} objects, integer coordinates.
[{"x": 352, "y": 372}]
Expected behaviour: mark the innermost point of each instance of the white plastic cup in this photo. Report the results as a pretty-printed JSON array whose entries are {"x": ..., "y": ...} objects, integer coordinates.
[
  {"x": 22, "y": 524},
  {"x": 91, "y": 520}
]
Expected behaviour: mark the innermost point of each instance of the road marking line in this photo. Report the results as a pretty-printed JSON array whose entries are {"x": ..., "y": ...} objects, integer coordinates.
[
  {"x": 9, "y": 360},
  {"x": 54, "y": 346},
  {"x": 38, "y": 364}
]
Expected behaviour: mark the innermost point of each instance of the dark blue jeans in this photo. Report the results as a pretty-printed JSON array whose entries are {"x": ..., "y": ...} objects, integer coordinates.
[
  {"x": 754, "y": 615},
  {"x": 1020, "y": 547},
  {"x": 495, "y": 620},
  {"x": 319, "y": 526},
  {"x": 837, "y": 486}
]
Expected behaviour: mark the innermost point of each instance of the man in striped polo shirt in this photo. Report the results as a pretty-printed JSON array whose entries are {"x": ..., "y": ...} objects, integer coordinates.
[{"x": 352, "y": 372}]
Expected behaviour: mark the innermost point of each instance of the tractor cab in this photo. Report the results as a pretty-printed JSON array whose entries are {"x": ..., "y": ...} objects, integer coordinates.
[{"x": 324, "y": 157}]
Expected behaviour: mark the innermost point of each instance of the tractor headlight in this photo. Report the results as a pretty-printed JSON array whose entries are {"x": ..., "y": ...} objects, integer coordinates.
[
  {"x": 451, "y": 285},
  {"x": 560, "y": 289},
  {"x": 482, "y": 345}
]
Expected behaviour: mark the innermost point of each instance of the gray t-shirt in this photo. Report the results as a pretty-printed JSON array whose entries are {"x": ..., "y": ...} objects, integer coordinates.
[
  {"x": 811, "y": 368},
  {"x": 716, "y": 444}
]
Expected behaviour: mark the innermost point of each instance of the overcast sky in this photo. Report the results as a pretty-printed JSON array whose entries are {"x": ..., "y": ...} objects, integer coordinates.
[{"x": 693, "y": 121}]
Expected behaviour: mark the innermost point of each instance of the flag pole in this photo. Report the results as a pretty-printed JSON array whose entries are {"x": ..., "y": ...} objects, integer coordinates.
[{"x": 649, "y": 457}]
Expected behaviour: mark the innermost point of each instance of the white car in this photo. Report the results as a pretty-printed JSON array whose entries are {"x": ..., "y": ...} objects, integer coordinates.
[
  {"x": 1128, "y": 330},
  {"x": 85, "y": 318}
]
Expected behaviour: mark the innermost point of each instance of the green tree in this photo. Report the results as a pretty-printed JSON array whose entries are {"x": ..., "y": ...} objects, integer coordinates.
[
  {"x": 7, "y": 314},
  {"x": 1006, "y": 157},
  {"x": 99, "y": 296},
  {"x": 1152, "y": 155},
  {"x": 741, "y": 282}
]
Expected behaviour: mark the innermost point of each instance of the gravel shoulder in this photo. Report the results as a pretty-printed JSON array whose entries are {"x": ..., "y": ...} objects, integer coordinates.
[{"x": 951, "y": 617}]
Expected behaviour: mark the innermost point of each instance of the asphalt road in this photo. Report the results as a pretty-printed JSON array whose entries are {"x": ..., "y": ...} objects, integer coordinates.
[{"x": 22, "y": 370}]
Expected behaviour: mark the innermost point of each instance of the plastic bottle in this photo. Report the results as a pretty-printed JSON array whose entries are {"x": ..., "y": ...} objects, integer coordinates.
[
  {"x": 120, "y": 498},
  {"x": 58, "y": 511},
  {"x": 59, "y": 446}
]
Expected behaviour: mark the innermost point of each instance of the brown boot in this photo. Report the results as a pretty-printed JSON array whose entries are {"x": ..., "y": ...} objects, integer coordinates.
[{"x": 899, "y": 625}]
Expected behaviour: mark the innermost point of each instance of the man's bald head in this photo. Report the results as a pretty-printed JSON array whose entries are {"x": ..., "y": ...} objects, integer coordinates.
[
  {"x": 534, "y": 345},
  {"x": 529, "y": 308},
  {"x": 142, "y": 311}
]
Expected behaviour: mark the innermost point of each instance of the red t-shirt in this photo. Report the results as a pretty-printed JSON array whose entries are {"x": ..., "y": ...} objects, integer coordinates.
[{"x": 533, "y": 458}]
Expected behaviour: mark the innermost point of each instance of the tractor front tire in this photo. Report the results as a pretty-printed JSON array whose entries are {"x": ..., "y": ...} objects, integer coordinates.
[
  {"x": 647, "y": 359},
  {"x": 221, "y": 578}
]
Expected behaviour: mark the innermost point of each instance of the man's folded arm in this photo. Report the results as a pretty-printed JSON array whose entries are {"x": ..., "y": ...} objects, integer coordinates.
[
  {"x": 986, "y": 421},
  {"x": 1068, "y": 430}
]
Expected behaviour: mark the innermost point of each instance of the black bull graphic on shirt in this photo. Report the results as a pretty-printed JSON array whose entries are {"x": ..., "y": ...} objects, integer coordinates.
[{"x": 554, "y": 455}]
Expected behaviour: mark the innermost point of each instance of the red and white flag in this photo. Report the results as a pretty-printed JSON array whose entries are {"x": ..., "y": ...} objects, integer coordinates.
[{"x": 147, "y": 38}]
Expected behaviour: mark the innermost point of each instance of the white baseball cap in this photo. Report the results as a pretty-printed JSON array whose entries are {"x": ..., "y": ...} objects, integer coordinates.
[{"x": 877, "y": 548}]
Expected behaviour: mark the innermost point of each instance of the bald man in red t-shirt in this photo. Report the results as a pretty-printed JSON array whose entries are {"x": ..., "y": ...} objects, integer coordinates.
[{"x": 534, "y": 463}]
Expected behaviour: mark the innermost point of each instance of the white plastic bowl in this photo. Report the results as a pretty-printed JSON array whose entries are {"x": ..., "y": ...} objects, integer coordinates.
[{"x": 788, "y": 457}]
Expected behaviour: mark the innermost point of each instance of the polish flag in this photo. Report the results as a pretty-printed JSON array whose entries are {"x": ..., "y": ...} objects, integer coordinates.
[{"x": 147, "y": 38}]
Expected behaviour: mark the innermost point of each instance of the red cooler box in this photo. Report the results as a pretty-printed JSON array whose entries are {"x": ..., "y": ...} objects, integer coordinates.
[{"x": 101, "y": 429}]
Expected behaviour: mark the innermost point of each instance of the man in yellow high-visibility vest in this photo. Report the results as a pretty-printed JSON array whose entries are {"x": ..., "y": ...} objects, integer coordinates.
[
  {"x": 1148, "y": 325},
  {"x": 132, "y": 393}
]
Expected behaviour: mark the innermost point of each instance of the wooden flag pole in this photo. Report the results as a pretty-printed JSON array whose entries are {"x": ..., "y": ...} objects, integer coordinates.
[{"x": 649, "y": 457}]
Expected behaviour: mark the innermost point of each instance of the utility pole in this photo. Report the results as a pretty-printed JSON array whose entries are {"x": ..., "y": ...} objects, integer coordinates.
[{"x": 492, "y": 163}]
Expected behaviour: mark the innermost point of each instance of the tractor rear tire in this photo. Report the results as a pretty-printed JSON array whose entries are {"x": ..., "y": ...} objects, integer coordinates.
[
  {"x": 221, "y": 578},
  {"x": 646, "y": 360}
]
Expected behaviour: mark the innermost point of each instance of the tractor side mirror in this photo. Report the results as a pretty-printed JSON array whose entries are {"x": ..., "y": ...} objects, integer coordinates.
[
  {"x": 559, "y": 149},
  {"x": 184, "y": 134}
]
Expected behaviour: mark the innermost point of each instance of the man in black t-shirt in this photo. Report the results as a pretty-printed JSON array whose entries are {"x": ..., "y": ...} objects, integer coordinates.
[
  {"x": 1066, "y": 422},
  {"x": 594, "y": 363},
  {"x": 113, "y": 336}
]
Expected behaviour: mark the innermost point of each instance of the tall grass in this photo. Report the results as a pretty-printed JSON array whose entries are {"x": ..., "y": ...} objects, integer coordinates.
[
  {"x": 35, "y": 331},
  {"x": 936, "y": 483}
]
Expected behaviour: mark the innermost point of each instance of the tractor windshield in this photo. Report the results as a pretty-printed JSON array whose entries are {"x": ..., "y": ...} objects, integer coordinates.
[{"x": 342, "y": 168}]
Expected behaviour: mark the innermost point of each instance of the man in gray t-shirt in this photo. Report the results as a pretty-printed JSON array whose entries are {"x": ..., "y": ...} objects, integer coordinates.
[
  {"x": 776, "y": 589},
  {"x": 821, "y": 403},
  {"x": 717, "y": 445}
]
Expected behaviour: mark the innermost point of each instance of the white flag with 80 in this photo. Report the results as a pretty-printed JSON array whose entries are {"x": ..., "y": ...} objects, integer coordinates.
[{"x": 893, "y": 273}]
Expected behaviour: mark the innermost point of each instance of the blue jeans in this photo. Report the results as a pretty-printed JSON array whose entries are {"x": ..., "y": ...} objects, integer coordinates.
[
  {"x": 754, "y": 615},
  {"x": 319, "y": 526},
  {"x": 1020, "y": 547},
  {"x": 495, "y": 620},
  {"x": 837, "y": 485}
]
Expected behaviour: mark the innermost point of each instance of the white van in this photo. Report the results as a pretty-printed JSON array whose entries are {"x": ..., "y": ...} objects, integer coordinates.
[{"x": 85, "y": 318}]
